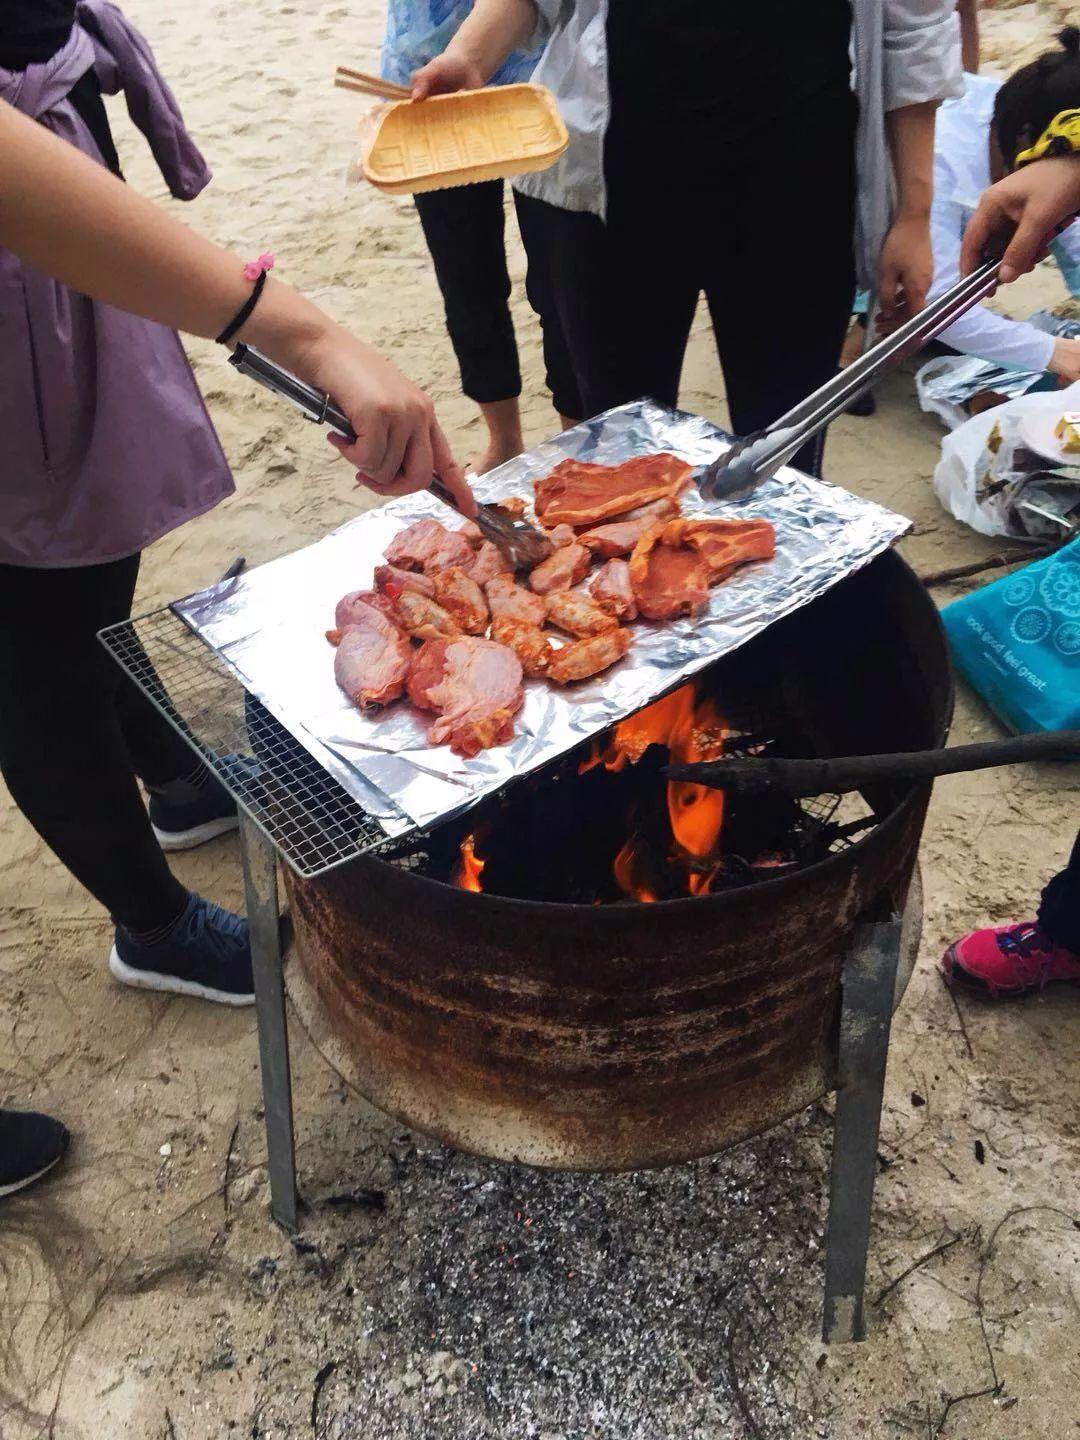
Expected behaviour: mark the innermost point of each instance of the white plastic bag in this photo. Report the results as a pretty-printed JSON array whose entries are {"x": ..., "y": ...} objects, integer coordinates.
[
  {"x": 945, "y": 384},
  {"x": 967, "y": 468}
]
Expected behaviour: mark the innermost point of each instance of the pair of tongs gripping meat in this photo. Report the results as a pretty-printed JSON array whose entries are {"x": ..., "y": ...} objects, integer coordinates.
[{"x": 522, "y": 544}]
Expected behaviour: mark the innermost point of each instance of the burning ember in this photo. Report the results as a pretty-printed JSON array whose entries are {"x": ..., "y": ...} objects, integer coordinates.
[
  {"x": 470, "y": 868},
  {"x": 691, "y": 730}
]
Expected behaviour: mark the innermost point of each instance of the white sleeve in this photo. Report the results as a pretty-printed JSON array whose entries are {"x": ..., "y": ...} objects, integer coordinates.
[
  {"x": 980, "y": 332},
  {"x": 922, "y": 52}
]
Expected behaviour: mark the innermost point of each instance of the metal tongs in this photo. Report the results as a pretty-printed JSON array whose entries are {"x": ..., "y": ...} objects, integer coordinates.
[
  {"x": 522, "y": 544},
  {"x": 755, "y": 458}
]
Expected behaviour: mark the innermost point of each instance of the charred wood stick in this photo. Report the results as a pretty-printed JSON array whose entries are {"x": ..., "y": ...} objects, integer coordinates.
[
  {"x": 795, "y": 778},
  {"x": 1000, "y": 561}
]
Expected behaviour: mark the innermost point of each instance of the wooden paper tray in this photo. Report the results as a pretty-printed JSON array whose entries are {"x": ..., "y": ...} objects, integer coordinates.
[{"x": 463, "y": 138}]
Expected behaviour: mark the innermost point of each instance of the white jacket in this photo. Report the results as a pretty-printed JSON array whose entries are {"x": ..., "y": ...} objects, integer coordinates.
[{"x": 905, "y": 52}]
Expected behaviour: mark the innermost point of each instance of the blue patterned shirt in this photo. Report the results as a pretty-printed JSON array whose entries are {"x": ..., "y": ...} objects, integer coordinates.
[{"x": 418, "y": 30}]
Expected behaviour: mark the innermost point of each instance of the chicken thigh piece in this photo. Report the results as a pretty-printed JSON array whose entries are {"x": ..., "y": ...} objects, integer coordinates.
[
  {"x": 563, "y": 568},
  {"x": 583, "y": 658},
  {"x": 578, "y": 614},
  {"x": 461, "y": 597}
]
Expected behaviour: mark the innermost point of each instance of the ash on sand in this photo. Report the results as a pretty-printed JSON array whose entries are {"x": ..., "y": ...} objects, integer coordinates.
[{"x": 499, "y": 1301}]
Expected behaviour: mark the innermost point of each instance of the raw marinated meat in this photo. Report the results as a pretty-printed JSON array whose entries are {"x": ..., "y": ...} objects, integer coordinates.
[
  {"x": 583, "y": 658},
  {"x": 425, "y": 619},
  {"x": 453, "y": 549},
  {"x": 391, "y": 580},
  {"x": 511, "y": 601},
  {"x": 568, "y": 565},
  {"x": 475, "y": 685},
  {"x": 667, "y": 580},
  {"x": 530, "y": 645},
  {"x": 578, "y": 492},
  {"x": 612, "y": 591},
  {"x": 461, "y": 597},
  {"x": 724, "y": 545},
  {"x": 488, "y": 562},
  {"x": 561, "y": 535},
  {"x": 618, "y": 538},
  {"x": 472, "y": 533},
  {"x": 577, "y": 614},
  {"x": 366, "y": 608},
  {"x": 371, "y": 666},
  {"x": 426, "y": 671},
  {"x": 416, "y": 544},
  {"x": 656, "y": 510}
]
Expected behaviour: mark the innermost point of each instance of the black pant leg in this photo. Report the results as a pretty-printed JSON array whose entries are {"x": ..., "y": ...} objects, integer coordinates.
[
  {"x": 465, "y": 232},
  {"x": 779, "y": 265},
  {"x": 1059, "y": 912},
  {"x": 536, "y": 237},
  {"x": 63, "y": 754}
]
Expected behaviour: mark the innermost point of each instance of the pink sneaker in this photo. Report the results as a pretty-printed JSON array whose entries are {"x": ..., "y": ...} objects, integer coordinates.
[{"x": 1009, "y": 960}]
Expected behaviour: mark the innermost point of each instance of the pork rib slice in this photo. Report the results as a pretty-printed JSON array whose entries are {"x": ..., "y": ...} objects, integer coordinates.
[
  {"x": 416, "y": 544},
  {"x": 511, "y": 601},
  {"x": 563, "y": 568},
  {"x": 371, "y": 665},
  {"x": 590, "y": 656},
  {"x": 577, "y": 492},
  {"x": 612, "y": 591},
  {"x": 474, "y": 685},
  {"x": 667, "y": 580},
  {"x": 578, "y": 614},
  {"x": 529, "y": 643},
  {"x": 724, "y": 545},
  {"x": 461, "y": 597}
]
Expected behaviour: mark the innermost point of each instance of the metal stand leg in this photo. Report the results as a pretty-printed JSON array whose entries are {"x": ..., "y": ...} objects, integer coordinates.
[
  {"x": 869, "y": 980},
  {"x": 260, "y": 885}
]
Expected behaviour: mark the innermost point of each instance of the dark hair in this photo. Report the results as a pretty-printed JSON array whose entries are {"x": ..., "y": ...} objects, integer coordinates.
[{"x": 1029, "y": 100}]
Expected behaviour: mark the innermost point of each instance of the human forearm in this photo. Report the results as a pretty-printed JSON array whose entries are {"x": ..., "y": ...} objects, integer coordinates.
[
  {"x": 121, "y": 249},
  {"x": 492, "y": 30},
  {"x": 69, "y": 218},
  {"x": 911, "y": 142},
  {"x": 993, "y": 337}
]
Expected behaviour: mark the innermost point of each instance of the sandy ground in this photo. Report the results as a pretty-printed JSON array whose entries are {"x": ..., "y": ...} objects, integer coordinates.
[{"x": 145, "y": 1293}]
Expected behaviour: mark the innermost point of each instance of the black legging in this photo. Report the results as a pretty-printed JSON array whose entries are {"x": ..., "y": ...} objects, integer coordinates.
[
  {"x": 765, "y": 230},
  {"x": 465, "y": 232},
  {"x": 74, "y": 733},
  {"x": 1059, "y": 913}
]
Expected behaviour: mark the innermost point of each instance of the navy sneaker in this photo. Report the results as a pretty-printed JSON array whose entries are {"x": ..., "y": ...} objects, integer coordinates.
[
  {"x": 207, "y": 953},
  {"x": 30, "y": 1145},
  {"x": 184, "y": 816}
]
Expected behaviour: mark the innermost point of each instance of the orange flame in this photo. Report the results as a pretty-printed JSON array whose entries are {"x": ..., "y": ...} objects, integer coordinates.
[
  {"x": 624, "y": 867},
  {"x": 692, "y": 731},
  {"x": 470, "y": 868}
]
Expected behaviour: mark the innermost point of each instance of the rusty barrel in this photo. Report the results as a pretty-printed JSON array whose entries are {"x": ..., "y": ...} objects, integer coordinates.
[{"x": 612, "y": 1037}]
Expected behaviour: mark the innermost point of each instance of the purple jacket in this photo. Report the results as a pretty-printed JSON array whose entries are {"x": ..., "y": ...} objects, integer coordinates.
[{"x": 105, "y": 443}]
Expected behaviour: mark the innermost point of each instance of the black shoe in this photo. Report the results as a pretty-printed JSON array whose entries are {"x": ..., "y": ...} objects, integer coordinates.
[
  {"x": 207, "y": 953},
  {"x": 30, "y": 1145},
  {"x": 197, "y": 815}
]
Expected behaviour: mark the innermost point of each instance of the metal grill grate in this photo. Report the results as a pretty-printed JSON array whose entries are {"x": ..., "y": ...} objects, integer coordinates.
[{"x": 304, "y": 812}]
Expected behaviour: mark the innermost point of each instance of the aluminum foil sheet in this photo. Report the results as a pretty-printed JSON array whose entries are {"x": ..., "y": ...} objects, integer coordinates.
[{"x": 268, "y": 624}]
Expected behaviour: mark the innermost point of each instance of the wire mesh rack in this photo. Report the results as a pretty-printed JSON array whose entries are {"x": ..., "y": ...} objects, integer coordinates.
[{"x": 312, "y": 821}]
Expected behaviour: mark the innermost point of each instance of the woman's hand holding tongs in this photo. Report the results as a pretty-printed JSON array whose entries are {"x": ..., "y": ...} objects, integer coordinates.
[{"x": 400, "y": 444}]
